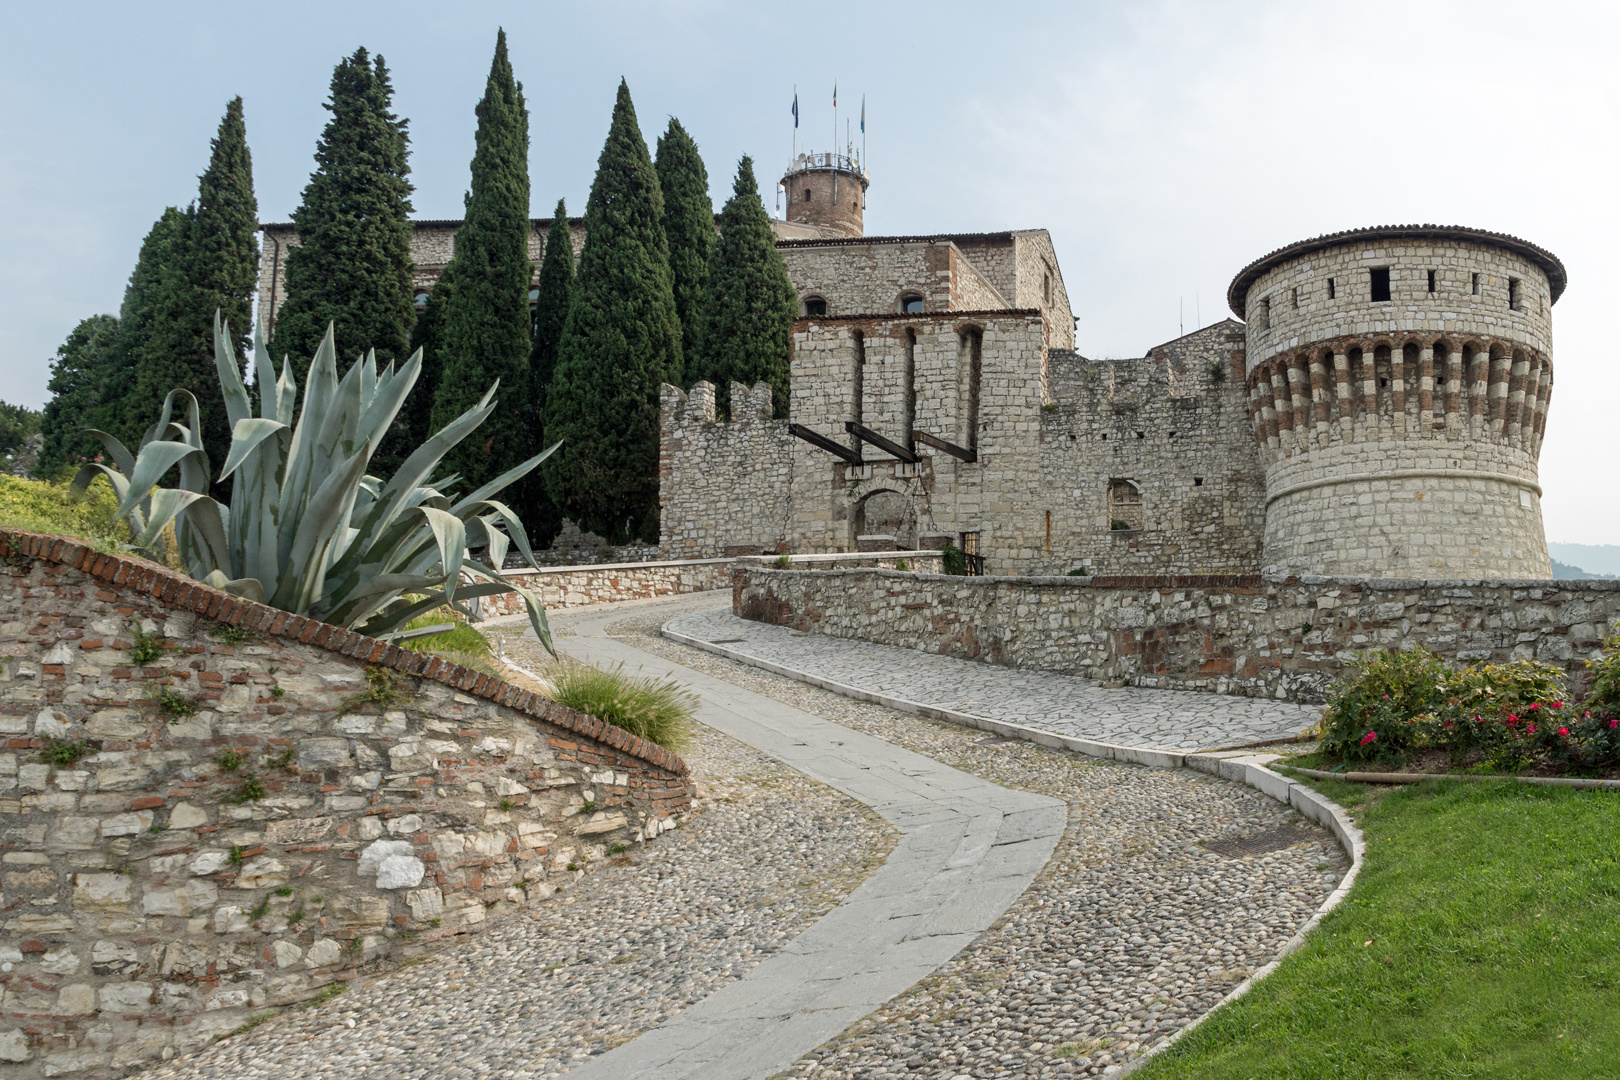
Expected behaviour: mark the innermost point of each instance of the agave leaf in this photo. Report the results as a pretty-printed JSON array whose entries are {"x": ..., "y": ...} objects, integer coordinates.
[
  {"x": 155, "y": 459},
  {"x": 451, "y": 535},
  {"x": 537, "y": 613},
  {"x": 204, "y": 545},
  {"x": 247, "y": 588},
  {"x": 393, "y": 618},
  {"x": 323, "y": 517},
  {"x": 510, "y": 476},
  {"x": 246, "y": 436},
  {"x": 115, "y": 450},
  {"x": 237, "y": 405},
  {"x": 385, "y": 403},
  {"x": 160, "y": 430},
  {"x": 514, "y": 528},
  {"x": 166, "y": 506}
]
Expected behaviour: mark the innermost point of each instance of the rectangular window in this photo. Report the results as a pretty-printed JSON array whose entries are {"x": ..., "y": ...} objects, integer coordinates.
[
  {"x": 1333, "y": 289},
  {"x": 1474, "y": 285},
  {"x": 1265, "y": 314},
  {"x": 1296, "y": 298},
  {"x": 1380, "y": 283},
  {"x": 1431, "y": 281},
  {"x": 1514, "y": 300}
]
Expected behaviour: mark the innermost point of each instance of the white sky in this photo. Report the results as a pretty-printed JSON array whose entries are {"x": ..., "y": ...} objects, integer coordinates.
[{"x": 1165, "y": 145}]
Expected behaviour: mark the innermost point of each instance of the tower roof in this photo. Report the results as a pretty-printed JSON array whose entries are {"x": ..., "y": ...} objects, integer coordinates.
[{"x": 1238, "y": 292}]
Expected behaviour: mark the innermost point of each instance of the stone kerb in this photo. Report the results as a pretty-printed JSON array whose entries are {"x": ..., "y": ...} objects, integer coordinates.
[
  {"x": 252, "y": 816},
  {"x": 1285, "y": 638}
]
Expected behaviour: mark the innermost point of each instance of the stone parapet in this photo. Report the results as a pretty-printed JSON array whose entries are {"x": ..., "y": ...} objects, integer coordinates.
[
  {"x": 1285, "y": 638},
  {"x": 210, "y": 806}
]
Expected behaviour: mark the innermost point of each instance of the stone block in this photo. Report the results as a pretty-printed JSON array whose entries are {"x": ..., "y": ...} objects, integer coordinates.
[
  {"x": 876, "y": 542},
  {"x": 374, "y": 855},
  {"x": 299, "y": 830},
  {"x": 262, "y": 873},
  {"x": 323, "y": 753},
  {"x": 186, "y": 816},
  {"x": 324, "y": 953},
  {"x": 356, "y": 911},
  {"x": 182, "y": 901},
  {"x": 116, "y": 724},
  {"x": 286, "y": 953},
  {"x": 400, "y": 872},
  {"x": 129, "y": 824},
  {"x": 102, "y": 892},
  {"x": 14, "y": 1046},
  {"x": 76, "y": 999}
]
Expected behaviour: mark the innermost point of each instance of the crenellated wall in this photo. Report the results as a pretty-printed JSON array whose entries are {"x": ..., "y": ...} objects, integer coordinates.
[
  {"x": 262, "y": 806},
  {"x": 721, "y": 484}
]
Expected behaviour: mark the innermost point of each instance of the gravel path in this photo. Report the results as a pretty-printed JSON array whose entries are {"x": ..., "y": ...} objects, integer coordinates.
[
  {"x": 1065, "y": 704},
  {"x": 769, "y": 853},
  {"x": 1133, "y": 929}
]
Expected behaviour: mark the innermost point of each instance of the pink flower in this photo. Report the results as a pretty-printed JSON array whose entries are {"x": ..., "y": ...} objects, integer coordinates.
[
  {"x": 1614, "y": 723},
  {"x": 1535, "y": 704},
  {"x": 1369, "y": 737},
  {"x": 1531, "y": 728}
]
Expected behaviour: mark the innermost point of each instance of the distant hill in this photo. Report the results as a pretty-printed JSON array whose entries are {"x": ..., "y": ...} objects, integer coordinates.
[
  {"x": 1598, "y": 560},
  {"x": 1565, "y": 572}
]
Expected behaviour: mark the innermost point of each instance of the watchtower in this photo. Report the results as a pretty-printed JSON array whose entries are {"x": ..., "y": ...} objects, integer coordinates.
[
  {"x": 1398, "y": 380},
  {"x": 827, "y": 192}
]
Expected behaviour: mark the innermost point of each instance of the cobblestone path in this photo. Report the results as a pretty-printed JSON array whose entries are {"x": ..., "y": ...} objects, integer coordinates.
[{"x": 1166, "y": 719}]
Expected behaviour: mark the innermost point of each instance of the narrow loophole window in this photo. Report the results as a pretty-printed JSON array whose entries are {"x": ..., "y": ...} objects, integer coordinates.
[
  {"x": 1432, "y": 287},
  {"x": 1333, "y": 289},
  {"x": 1514, "y": 300},
  {"x": 1473, "y": 286},
  {"x": 1379, "y": 280}
]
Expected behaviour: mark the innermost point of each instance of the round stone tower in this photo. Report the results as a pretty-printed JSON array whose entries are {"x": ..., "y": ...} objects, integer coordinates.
[
  {"x": 828, "y": 193},
  {"x": 1398, "y": 386}
]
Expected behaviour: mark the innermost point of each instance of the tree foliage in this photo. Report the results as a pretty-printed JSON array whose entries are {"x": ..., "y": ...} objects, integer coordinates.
[
  {"x": 352, "y": 264},
  {"x": 77, "y": 375},
  {"x": 486, "y": 331},
  {"x": 137, "y": 317},
  {"x": 211, "y": 265},
  {"x": 555, "y": 292},
  {"x": 620, "y": 342},
  {"x": 414, "y": 422},
  {"x": 750, "y": 306},
  {"x": 688, "y": 226}
]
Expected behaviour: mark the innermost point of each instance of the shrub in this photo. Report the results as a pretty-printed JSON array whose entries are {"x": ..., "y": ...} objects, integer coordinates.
[
  {"x": 36, "y": 506},
  {"x": 1604, "y": 693},
  {"x": 148, "y": 648},
  {"x": 1375, "y": 715},
  {"x": 953, "y": 561},
  {"x": 64, "y": 752},
  {"x": 654, "y": 709}
]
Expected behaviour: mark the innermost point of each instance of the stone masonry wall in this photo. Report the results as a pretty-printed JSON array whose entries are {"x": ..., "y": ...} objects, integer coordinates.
[
  {"x": 309, "y": 805},
  {"x": 1284, "y": 638},
  {"x": 858, "y": 278},
  {"x": 1174, "y": 425},
  {"x": 565, "y": 587},
  {"x": 721, "y": 483}
]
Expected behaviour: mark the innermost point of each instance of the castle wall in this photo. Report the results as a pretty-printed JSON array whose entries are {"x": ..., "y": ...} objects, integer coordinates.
[
  {"x": 1400, "y": 436},
  {"x": 1237, "y": 635},
  {"x": 721, "y": 484},
  {"x": 1175, "y": 426},
  {"x": 1040, "y": 286},
  {"x": 863, "y": 279},
  {"x": 154, "y": 899}
]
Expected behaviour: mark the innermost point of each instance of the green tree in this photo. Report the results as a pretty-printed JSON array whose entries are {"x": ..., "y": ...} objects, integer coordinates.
[
  {"x": 688, "y": 226},
  {"x": 18, "y": 424},
  {"x": 212, "y": 266},
  {"x": 540, "y": 514},
  {"x": 486, "y": 319},
  {"x": 414, "y": 421},
  {"x": 749, "y": 310},
  {"x": 352, "y": 264},
  {"x": 621, "y": 341},
  {"x": 115, "y": 410},
  {"x": 77, "y": 375}
]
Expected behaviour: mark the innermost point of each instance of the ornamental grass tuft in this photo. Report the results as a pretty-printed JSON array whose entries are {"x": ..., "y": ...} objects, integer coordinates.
[{"x": 658, "y": 710}]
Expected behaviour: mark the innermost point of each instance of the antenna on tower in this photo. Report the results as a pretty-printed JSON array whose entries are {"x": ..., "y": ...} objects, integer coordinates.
[{"x": 1181, "y": 317}]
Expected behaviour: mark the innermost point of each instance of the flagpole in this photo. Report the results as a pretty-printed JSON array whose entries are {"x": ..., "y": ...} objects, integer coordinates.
[
  {"x": 835, "y": 142},
  {"x": 863, "y": 131}
]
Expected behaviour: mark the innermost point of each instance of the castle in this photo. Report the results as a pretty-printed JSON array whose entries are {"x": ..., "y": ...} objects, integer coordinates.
[{"x": 1378, "y": 412}]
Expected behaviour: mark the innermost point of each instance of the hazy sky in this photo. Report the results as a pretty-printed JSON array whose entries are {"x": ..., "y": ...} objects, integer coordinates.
[{"x": 1165, "y": 145}]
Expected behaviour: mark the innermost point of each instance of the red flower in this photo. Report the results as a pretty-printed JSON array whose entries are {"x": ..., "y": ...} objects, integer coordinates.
[
  {"x": 1535, "y": 704},
  {"x": 1614, "y": 723},
  {"x": 1531, "y": 728},
  {"x": 1512, "y": 719},
  {"x": 1556, "y": 705},
  {"x": 1369, "y": 737},
  {"x": 1563, "y": 731}
]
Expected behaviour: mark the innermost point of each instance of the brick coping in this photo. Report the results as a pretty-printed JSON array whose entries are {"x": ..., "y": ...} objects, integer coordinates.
[{"x": 175, "y": 590}]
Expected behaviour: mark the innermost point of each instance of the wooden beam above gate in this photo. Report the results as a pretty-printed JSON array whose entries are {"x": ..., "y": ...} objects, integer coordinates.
[
  {"x": 949, "y": 448},
  {"x": 822, "y": 442},
  {"x": 867, "y": 435}
]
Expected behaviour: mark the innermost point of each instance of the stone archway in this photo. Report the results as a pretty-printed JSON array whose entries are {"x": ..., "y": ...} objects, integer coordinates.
[{"x": 885, "y": 512}]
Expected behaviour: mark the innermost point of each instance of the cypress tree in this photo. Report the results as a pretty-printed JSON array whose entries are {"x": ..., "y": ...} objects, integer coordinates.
[
  {"x": 414, "y": 421},
  {"x": 486, "y": 319},
  {"x": 749, "y": 310},
  {"x": 77, "y": 375},
  {"x": 212, "y": 266},
  {"x": 115, "y": 412},
  {"x": 688, "y": 226},
  {"x": 540, "y": 515},
  {"x": 352, "y": 264},
  {"x": 622, "y": 340}
]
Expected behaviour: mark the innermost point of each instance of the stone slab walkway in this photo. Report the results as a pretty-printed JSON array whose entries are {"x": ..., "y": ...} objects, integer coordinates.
[
  {"x": 968, "y": 848},
  {"x": 1177, "y": 720}
]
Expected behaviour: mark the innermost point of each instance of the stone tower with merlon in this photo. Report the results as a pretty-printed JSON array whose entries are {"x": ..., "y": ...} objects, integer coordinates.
[
  {"x": 1398, "y": 383},
  {"x": 828, "y": 193}
]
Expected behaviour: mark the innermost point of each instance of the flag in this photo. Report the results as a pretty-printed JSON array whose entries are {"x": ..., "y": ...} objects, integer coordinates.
[
  {"x": 835, "y": 95},
  {"x": 796, "y": 110},
  {"x": 863, "y": 114}
]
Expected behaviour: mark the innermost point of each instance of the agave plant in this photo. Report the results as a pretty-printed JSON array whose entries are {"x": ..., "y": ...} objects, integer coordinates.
[{"x": 307, "y": 530}]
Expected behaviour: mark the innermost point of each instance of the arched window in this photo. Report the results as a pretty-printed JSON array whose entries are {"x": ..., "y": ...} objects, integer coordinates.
[
  {"x": 1124, "y": 505},
  {"x": 911, "y": 303},
  {"x": 815, "y": 305},
  {"x": 419, "y": 301},
  {"x": 806, "y": 194}
]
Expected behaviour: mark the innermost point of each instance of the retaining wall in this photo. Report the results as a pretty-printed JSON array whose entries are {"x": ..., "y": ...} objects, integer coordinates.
[
  {"x": 1288, "y": 638},
  {"x": 580, "y": 586},
  {"x": 310, "y": 804}
]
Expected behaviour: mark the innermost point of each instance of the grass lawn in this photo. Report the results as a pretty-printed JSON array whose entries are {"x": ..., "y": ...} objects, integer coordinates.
[{"x": 1482, "y": 939}]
